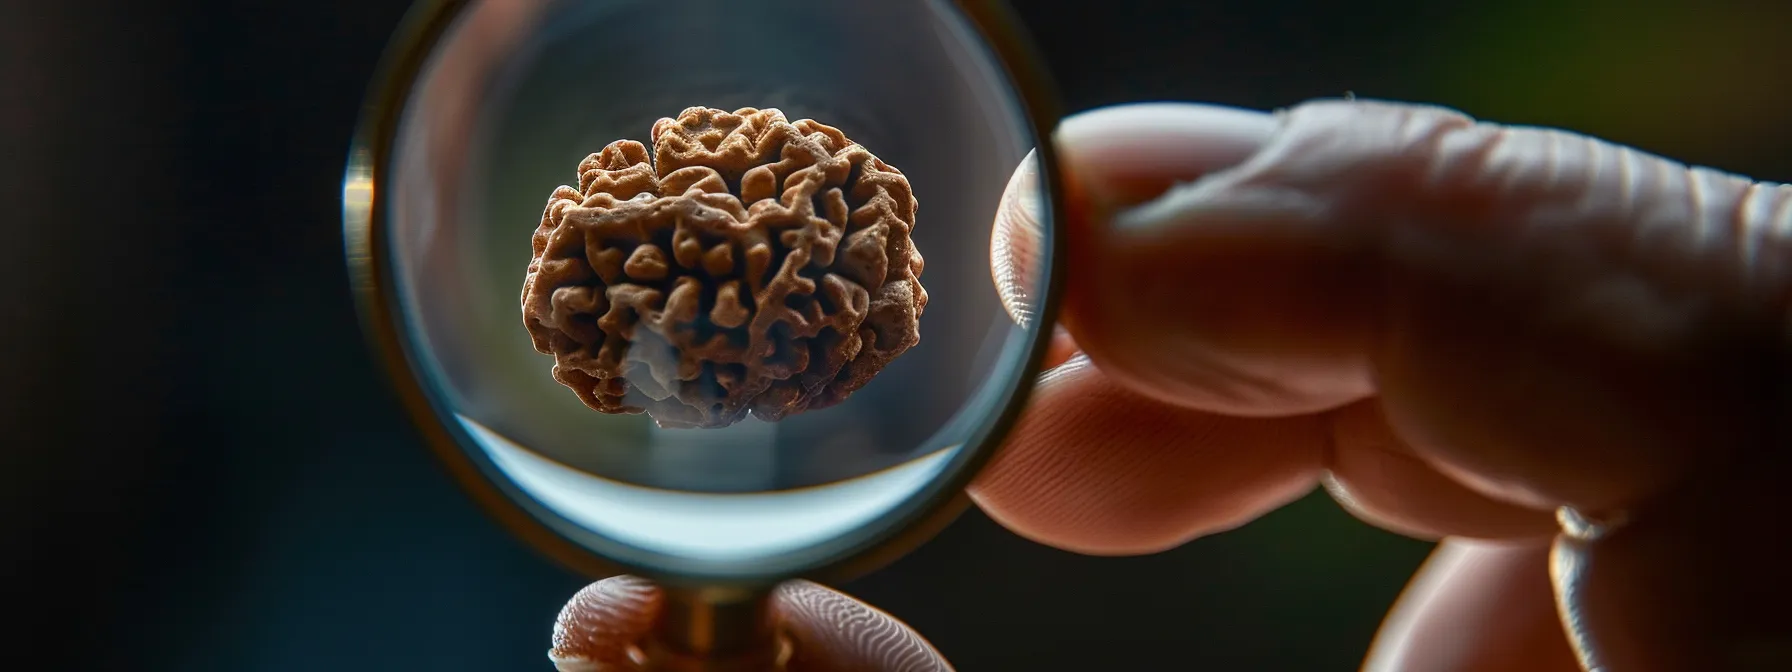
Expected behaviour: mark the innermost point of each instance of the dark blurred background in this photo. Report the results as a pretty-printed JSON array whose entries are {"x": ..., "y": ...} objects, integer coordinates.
[{"x": 201, "y": 470}]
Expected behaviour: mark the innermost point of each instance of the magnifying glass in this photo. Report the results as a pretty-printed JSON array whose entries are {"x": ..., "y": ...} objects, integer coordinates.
[{"x": 758, "y": 335}]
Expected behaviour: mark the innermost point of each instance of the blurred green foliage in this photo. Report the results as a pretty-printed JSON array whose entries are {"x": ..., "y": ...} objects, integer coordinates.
[{"x": 1699, "y": 82}]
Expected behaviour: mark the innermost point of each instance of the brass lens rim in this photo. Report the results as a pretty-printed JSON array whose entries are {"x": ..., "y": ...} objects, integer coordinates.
[{"x": 367, "y": 180}]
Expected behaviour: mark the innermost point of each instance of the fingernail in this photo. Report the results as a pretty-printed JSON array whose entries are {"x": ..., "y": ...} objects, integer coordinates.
[{"x": 1130, "y": 154}]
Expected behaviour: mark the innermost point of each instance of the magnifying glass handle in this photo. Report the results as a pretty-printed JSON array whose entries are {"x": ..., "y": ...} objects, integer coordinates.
[{"x": 715, "y": 630}]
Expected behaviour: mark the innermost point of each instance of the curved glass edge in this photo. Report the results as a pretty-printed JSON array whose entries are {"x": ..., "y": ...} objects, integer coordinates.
[
  {"x": 723, "y": 528},
  {"x": 890, "y": 536},
  {"x": 365, "y": 244}
]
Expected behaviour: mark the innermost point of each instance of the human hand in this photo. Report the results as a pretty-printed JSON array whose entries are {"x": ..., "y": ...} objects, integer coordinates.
[{"x": 1456, "y": 328}]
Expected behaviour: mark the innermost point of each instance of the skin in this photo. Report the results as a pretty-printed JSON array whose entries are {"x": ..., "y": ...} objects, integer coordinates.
[{"x": 1457, "y": 328}]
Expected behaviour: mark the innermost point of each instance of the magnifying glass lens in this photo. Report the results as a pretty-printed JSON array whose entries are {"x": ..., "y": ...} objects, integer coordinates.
[{"x": 754, "y": 238}]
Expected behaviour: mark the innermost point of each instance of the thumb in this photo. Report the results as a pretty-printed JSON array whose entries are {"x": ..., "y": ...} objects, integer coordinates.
[
  {"x": 830, "y": 631},
  {"x": 1535, "y": 308},
  {"x": 602, "y": 627}
]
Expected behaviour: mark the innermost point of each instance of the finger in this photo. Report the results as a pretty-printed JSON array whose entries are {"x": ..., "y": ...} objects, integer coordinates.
[
  {"x": 1476, "y": 607},
  {"x": 1015, "y": 259},
  {"x": 1095, "y": 468},
  {"x": 1372, "y": 475},
  {"x": 1016, "y": 241},
  {"x": 1159, "y": 149},
  {"x": 1695, "y": 581},
  {"x": 599, "y": 628},
  {"x": 831, "y": 632},
  {"x": 1152, "y": 312},
  {"x": 1376, "y": 477},
  {"x": 1532, "y": 307},
  {"x": 1062, "y": 348},
  {"x": 1134, "y": 153}
]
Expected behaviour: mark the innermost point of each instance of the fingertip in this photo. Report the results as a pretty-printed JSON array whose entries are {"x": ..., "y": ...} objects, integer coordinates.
[
  {"x": 1131, "y": 153},
  {"x": 1476, "y": 607},
  {"x": 1237, "y": 320},
  {"x": 832, "y": 632},
  {"x": 599, "y": 627},
  {"x": 1015, "y": 241},
  {"x": 1111, "y": 156}
]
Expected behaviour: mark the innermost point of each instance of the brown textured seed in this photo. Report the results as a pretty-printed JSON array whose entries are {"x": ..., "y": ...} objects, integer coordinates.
[{"x": 751, "y": 264}]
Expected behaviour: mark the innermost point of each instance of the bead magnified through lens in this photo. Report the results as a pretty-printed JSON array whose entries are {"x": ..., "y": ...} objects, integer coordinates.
[
  {"x": 751, "y": 264},
  {"x": 758, "y": 335}
]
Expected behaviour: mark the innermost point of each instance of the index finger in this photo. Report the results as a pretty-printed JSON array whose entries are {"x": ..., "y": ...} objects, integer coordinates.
[
  {"x": 1097, "y": 467},
  {"x": 1550, "y": 319}
]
